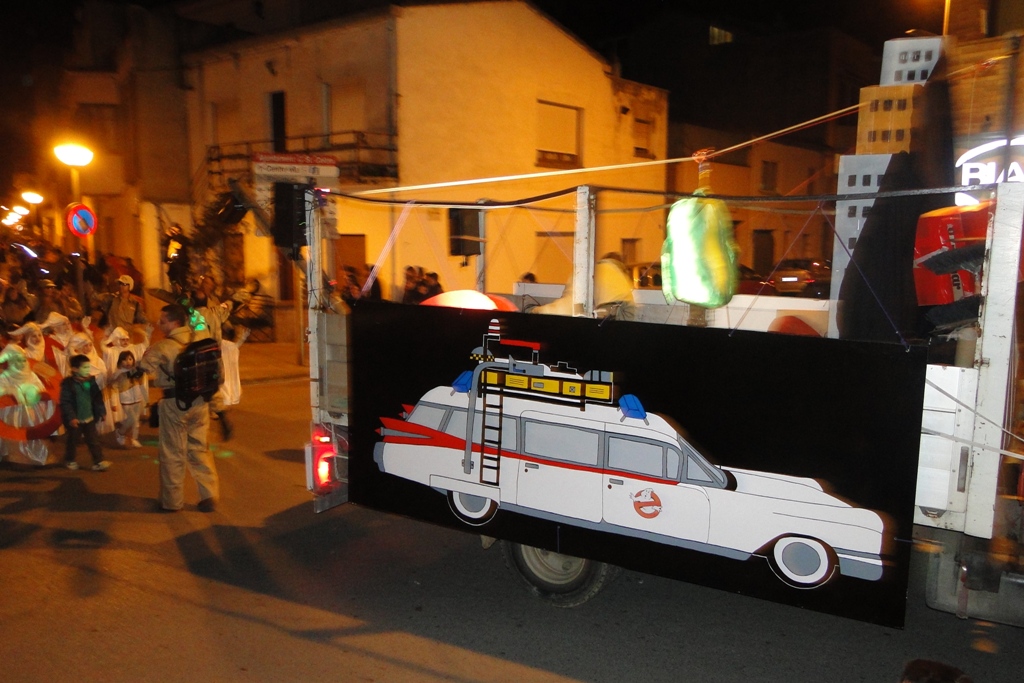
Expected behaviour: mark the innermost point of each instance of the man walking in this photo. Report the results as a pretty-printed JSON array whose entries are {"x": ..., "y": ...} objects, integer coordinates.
[{"x": 183, "y": 433}]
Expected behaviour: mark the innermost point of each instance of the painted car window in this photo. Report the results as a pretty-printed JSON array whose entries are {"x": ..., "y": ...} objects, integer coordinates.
[
  {"x": 642, "y": 457},
  {"x": 672, "y": 460},
  {"x": 698, "y": 469},
  {"x": 428, "y": 416},
  {"x": 694, "y": 472},
  {"x": 509, "y": 429},
  {"x": 560, "y": 442}
]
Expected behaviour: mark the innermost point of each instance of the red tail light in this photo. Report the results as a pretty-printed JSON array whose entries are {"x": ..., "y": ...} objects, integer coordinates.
[
  {"x": 324, "y": 468},
  {"x": 324, "y": 473}
]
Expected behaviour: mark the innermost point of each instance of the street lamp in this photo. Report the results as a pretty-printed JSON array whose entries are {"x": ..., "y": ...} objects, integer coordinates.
[
  {"x": 74, "y": 157},
  {"x": 35, "y": 199}
]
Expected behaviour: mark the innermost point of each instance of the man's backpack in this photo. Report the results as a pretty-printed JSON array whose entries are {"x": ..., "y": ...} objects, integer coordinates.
[{"x": 197, "y": 372}]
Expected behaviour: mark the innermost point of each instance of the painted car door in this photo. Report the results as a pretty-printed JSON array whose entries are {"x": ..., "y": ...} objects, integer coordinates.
[
  {"x": 558, "y": 472},
  {"x": 642, "y": 491}
]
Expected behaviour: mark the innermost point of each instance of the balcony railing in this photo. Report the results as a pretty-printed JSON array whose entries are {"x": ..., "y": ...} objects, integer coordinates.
[{"x": 362, "y": 156}]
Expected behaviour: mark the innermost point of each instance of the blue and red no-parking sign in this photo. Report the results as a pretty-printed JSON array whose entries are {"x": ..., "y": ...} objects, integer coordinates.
[{"x": 80, "y": 219}]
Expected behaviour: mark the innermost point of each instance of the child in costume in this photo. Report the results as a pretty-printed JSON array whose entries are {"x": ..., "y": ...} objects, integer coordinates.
[{"x": 130, "y": 384}]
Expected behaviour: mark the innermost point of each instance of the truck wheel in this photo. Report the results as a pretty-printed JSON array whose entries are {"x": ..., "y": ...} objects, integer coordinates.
[
  {"x": 562, "y": 580},
  {"x": 473, "y": 510},
  {"x": 803, "y": 562}
]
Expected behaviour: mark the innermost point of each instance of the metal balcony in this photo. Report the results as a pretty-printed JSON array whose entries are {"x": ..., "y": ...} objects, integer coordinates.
[{"x": 363, "y": 157}]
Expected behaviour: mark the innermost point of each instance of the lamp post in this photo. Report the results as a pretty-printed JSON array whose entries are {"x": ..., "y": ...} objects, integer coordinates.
[{"x": 74, "y": 157}]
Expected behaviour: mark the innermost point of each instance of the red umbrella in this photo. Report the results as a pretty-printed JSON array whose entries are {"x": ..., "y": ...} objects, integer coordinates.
[{"x": 468, "y": 298}]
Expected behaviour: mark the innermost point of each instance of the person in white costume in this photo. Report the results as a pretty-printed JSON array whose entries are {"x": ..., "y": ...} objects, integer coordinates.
[
  {"x": 116, "y": 343},
  {"x": 231, "y": 390},
  {"x": 19, "y": 381},
  {"x": 30, "y": 336},
  {"x": 133, "y": 392},
  {"x": 57, "y": 330}
]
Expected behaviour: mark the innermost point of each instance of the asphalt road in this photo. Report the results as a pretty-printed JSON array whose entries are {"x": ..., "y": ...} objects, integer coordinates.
[{"x": 96, "y": 586}]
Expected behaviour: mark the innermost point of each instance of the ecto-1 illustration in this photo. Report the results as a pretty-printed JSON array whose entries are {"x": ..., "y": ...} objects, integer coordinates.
[{"x": 553, "y": 443}]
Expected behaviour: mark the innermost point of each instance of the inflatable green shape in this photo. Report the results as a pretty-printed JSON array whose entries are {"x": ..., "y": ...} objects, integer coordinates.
[{"x": 699, "y": 256}]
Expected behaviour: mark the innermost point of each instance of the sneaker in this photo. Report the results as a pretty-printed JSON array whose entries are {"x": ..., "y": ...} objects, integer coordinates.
[
  {"x": 135, "y": 443},
  {"x": 71, "y": 465},
  {"x": 207, "y": 505},
  {"x": 101, "y": 466},
  {"x": 120, "y": 440}
]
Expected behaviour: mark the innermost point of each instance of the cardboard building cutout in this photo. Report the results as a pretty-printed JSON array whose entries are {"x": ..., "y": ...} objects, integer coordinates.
[{"x": 576, "y": 447}]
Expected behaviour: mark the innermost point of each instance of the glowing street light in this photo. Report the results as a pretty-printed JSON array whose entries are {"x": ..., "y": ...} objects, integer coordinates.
[
  {"x": 74, "y": 156},
  {"x": 20, "y": 210},
  {"x": 34, "y": 199}
]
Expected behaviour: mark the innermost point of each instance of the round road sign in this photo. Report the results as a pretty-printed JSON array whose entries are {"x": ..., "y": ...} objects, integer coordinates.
[{"x": 80, "y": 219}]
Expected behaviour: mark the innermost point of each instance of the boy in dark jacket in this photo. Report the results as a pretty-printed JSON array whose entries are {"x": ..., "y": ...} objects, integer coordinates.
[{"x": 81, "y": 409}]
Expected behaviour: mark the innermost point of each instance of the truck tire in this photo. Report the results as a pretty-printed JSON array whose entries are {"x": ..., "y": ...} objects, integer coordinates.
[
  {"x": 803, "y": 562},
  {"x": 473, "y": 510},
  {"x": 562, "y": 580}
]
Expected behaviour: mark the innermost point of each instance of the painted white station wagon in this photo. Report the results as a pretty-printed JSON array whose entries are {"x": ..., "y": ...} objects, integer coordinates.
[{"x": 549, "y": 442}]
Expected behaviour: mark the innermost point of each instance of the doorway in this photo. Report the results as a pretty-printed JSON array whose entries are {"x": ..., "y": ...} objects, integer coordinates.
[{"x": 764, "y": 252}]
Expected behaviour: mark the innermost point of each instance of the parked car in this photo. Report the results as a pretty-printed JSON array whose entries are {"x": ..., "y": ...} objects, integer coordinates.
[
  {"x": 648, "y": 276},
  {"x": 752, "y": 282},
  {"x": 803, "y": 277}
]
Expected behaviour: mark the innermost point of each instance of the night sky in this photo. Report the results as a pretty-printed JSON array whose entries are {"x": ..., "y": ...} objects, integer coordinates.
[{"x": 38, "y": 31}]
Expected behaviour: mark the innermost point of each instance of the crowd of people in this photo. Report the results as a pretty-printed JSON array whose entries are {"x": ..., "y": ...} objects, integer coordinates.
[
  {"x": 77, "y": 362},
  {"x": 419, "y": 286}
]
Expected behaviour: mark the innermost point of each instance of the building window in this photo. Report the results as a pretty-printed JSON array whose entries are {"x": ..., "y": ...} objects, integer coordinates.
[
  {"x": 630, "y": 249},
  {"x": 718, "y": 36},
  {"x": 916, "y": 57},
  {"x": 898, "y": 76},
  {"x": 101, "y": 124},
  {"x": 865, "y": 211},
  {"x": 887, "y": 105},
  {"x": 851, "y": 181},
  {"x": 911, "y": 75},
  {"x": 558, "y": 135},
  {"x": 927, "y": 55},
  {"x": 885, "y": 136},
  {"x": 901, "y": 105},
  {"x": 851, "y": 211},
  {"x": 903, "y": 58},
  {"x": 866, "y": 181},
  {"x": 871, "y": 136},
  {"x": 878, "y": 180},
  {"x": 769, "y": 176},
  {"x": 642, "y": 139},
  {"x": 924, "y": 74},
  {"x": 874, "y": 105},
  {"x": 899, "y": 134}
]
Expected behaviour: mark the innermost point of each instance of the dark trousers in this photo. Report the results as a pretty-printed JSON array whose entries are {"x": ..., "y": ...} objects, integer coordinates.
[{"x": 92, "y": 440}]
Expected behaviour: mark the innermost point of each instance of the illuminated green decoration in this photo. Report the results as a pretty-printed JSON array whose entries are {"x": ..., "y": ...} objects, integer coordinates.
[
  {"x": 196, "y": 320},
  {"x": 699, "y": 256}
]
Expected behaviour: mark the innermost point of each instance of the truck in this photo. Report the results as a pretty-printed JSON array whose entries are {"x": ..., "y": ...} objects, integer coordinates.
[{"x": 969, "y": 478}]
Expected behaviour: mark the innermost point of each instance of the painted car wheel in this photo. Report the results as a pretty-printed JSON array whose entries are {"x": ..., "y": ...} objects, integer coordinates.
[
  {"x": 473, "y": 510},
  {"x": 562, "y": 580},
  {"x": 803, "y": 562}
]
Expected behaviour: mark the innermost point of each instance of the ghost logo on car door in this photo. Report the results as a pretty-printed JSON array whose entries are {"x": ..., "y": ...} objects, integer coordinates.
[{"x": 646, "y": 503}]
